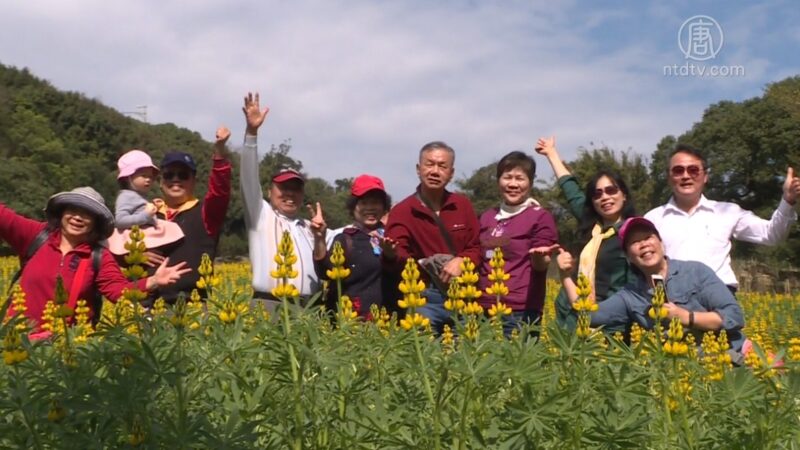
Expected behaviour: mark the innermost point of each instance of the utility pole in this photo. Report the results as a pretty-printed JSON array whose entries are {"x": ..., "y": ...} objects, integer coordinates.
[{"x": 141, "y": 113}]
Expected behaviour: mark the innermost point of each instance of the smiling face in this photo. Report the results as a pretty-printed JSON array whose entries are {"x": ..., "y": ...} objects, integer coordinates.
[
  {"x": 177, "y": 184},
  {"x": 515, "y": 186},
  {"x": 142, "y": 179},
  {"x": 645, "y": 250},
  {"x": 435, "y": 169},
  {"x": 608, "y": 200},
  {"x": 369, "y": 209},
  {"x": 687, "y": 178},
  {"x": 287, "y": 197},
  {"x": 77, "y": 224}
]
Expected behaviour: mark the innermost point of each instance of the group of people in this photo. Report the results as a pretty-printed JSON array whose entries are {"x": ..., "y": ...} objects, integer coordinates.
[{"x": 685, "y": 242}]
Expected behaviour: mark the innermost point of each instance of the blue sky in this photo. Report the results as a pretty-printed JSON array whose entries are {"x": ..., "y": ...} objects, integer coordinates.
[{"x": 360, "y": 86}]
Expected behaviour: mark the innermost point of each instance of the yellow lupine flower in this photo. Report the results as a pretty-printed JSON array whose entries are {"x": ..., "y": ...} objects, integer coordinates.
[
  {"x": 285, "y": 258},
  {"x": 411, "y": 287},
  {"x": 13, "y": 351},
  {"x": 499, "y": 309},
  {"x": 415, "y": 320}
]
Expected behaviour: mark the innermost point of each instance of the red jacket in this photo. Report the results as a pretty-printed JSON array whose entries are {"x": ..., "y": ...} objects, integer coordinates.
[
  {"x": 412, "y": 225},
  {"x": 38, "y": 279}
]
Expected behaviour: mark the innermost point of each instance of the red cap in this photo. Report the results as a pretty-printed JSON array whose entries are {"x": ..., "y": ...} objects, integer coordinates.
[
  {"x": 365, "y": 183},
  {"x": 635, "y": 222},
  {"x": 285, "y": 175}
]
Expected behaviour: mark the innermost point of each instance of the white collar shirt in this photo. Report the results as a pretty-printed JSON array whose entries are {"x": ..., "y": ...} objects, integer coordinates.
[{"x": 705, "y": 233}]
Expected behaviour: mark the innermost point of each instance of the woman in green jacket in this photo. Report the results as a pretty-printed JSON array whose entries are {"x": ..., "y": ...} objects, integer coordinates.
[{"x": 600, "y": 208}]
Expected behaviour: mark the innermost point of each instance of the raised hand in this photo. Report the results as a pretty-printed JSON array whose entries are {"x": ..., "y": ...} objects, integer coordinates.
[
  {"x": 317, "y": 221},
  {"x": 223, "y": 133},
  {"x": 164, "y": 276},
  {"x": 791, "y": 187},
  {"x": 253, "y": 113},
  {"x": 565, "y": 261},
  {"x": 546, "y": 146},
  {"x": 541, "y": 256},
  {"x": 545, "y": 251},
  {"x": 388, "y": 248}
]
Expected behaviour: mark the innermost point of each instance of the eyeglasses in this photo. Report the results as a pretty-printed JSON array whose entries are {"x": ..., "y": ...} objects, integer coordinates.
[
  {"x": 692, "y": 170},
  {"x": 181, "y": 175},
  {"x": 609, "y": 190}
]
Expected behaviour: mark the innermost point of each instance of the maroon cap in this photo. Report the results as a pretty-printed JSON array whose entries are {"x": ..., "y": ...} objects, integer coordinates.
[
  {"x": 635, "y": 222},
  {"x": 365, "y": 183},
  {"x": 284, "y": 175}
]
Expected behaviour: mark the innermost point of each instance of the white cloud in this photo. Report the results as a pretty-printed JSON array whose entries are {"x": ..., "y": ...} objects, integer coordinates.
[{"x": 360, "y": 86}]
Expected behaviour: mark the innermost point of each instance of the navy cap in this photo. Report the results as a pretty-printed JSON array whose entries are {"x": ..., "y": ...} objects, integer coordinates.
[{"x": 179, "y": 158}]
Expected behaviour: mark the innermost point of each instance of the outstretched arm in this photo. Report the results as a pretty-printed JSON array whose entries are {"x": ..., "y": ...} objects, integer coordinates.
[
  {"x": 751, "y": 228},
  {"x": 218, "y": 196},
  {"x": 568, "y": 184},
  {"x": 252, "y": 196}
]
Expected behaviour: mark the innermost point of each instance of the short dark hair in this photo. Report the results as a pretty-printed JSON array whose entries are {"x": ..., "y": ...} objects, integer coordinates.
[
  {"x": 352, "y": 200},
  {"x": 437, "y": 145},
  {"x": 689, "y": 150},
  {"x": 517, "y": 159}
]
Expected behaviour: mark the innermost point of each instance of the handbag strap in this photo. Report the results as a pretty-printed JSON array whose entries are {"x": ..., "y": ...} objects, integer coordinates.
[
  {"x": 447, "y": 239},
  {"x": 77, "y": 282}
]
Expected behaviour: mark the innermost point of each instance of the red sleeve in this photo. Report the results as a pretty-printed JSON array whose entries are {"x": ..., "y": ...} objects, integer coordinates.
[
  {"x": 215, "y": 205},
  {"x": 111, "y": 282},
  {"x": 473, "y": 246},
  {"x": 396, "y": 230},
  {"x": 17, "y": 230}
]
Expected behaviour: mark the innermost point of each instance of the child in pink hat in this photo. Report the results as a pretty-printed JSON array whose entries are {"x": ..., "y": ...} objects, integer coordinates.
[{"x": 137, "y": 174}]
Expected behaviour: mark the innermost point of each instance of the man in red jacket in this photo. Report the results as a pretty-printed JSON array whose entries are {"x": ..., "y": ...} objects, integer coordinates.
[{"x": 436, "y": 227}]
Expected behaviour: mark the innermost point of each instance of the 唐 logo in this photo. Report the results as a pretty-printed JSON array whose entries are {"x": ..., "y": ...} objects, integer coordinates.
[{"x": 700, "y": 38}]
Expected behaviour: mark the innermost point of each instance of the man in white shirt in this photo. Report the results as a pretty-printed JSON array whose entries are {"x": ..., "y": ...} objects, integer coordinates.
[
  {"x": 695, "y": 228},
  {"x": 266, "y": 221}
]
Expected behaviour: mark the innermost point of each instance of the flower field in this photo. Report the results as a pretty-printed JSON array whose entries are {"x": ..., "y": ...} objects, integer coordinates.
[{"x": 224, "y": 374}]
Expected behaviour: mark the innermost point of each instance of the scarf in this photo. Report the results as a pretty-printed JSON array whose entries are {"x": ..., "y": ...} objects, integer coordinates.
[
  {"x": 508, "y": 211},
  {"x": 589, "y": 253}
]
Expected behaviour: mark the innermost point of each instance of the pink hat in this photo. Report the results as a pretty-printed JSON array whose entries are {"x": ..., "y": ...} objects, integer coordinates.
[
  {"x": 132, "y": 161},
  {"x": 635, "y": 222},
  {"x": 365, "y": 183}
]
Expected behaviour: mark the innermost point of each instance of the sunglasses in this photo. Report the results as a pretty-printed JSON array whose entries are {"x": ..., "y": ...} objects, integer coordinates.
[
  {"x": 692, "y": 170},
  {"x": 609, "y": 190},
  {"x": 181, "y": 175}
]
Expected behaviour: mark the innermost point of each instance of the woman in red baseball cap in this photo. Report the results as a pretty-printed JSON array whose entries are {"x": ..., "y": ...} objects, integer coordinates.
[{"x": 363, "y": 242}]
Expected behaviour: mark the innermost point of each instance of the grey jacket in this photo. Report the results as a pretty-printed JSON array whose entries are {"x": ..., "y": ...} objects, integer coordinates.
[{"x": 130, "y": 210}]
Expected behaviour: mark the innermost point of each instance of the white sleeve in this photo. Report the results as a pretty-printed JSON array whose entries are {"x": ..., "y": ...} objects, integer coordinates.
[
  {"x": 252, "y": 196},
  {"x": 751, "y": 228}
]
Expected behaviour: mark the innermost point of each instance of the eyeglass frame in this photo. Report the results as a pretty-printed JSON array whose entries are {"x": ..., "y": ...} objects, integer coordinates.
[
  {"x": 687, "y": 169},
  {"x": 611, "y": 189},
  {"x": 180, "y": 175}
]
